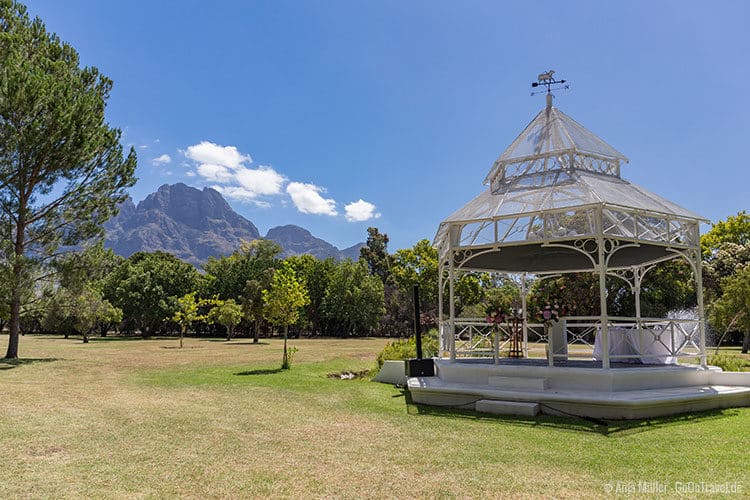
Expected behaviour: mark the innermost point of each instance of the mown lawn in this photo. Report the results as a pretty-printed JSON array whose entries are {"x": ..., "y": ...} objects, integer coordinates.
[{"x": 141, "y": 418}]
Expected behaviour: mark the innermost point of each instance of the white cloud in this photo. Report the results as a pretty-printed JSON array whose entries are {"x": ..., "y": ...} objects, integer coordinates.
[
  {"x": 360, "y": 211},
  {"x": 226, "y": 166},
  {"x": 307, "y": 199},
  {"x": 162, "y": 160},
  {"x": 235, "y": 192},
  {"x": 208, "y": 152},
  {"x": 214, "y": 173},
  {"x": 241, "y": 194},
  {"x": 228, "y": 170},
  {"x": 261, "y": 181}
]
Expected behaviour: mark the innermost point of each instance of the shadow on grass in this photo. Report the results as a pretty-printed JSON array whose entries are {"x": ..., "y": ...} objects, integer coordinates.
[
  {"x": 122, "y": 338},
  {"x": 571, "y": 423},
  {"x": 247, "y": 343},
  {"x": 109, "y": 338},
  {"x": 7, "y": 364},
  {"x": 260, "y": 371},
  {"x": 231, "y": 342}
]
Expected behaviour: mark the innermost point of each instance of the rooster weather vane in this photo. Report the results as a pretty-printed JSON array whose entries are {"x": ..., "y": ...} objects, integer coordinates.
[{"x": 548, "y": 80}]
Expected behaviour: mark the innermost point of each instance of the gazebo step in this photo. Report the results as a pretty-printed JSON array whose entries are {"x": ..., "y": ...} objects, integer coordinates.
[
  {"x": 637, "y": 403},
  {"x": 507, "y": 407},
  {"x": 520, "y": 383}
]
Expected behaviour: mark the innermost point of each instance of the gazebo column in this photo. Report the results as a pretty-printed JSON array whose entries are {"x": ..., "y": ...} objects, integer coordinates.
[
  {"x": 602, "y": 268},
  {"x": 698, "y": 273},
  {"x": 441, "y": 326},
  {"x": 638, "y": 273},
  {"x": 452, "y": 305},
  {"x": 525, "y": 326}
]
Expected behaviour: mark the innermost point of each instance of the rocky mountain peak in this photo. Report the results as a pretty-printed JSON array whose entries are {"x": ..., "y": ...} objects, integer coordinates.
[{"x": 196, "y": 224}]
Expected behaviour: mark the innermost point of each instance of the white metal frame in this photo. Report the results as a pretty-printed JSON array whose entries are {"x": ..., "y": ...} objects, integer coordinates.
[{"x": 597, "y": 230}]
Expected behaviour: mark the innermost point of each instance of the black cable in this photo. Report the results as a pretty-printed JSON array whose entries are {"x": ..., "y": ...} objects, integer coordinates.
[
  {"x": 593, "y": 420},
  {"x": 596, "y": 421}
]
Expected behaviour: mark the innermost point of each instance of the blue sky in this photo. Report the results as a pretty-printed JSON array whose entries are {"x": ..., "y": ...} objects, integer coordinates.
[{"x": 327, "y": 113}]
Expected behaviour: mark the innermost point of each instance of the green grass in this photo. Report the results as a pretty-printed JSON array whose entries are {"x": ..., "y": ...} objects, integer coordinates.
[{"x": 218, "y": 419}]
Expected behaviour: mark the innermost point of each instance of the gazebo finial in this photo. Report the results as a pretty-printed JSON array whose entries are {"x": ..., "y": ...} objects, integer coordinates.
[{"x": 547, "y": 79}]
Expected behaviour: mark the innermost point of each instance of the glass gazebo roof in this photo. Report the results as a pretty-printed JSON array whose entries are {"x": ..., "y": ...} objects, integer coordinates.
[{"x": 557, "y": 181}]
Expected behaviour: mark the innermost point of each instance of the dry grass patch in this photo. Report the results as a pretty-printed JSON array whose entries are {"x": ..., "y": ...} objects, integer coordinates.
[{"x": 136, "y": 418}]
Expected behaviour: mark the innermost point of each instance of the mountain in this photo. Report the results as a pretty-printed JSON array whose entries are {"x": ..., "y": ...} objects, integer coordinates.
[
  {"x": 296, "y": 240},
  {"x": 195, "y": 225}
]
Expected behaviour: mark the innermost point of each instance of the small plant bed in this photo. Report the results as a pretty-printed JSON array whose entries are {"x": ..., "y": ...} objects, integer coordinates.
[{"x": 349, "y": 375}]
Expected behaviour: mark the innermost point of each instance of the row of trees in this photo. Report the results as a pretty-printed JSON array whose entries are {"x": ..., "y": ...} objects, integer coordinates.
[{"x": 253, "y": 292}]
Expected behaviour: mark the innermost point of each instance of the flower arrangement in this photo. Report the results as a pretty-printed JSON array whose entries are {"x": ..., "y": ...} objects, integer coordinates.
[
  {"x": 551, "y": 313},
  {"x": 494, "y": 314}
]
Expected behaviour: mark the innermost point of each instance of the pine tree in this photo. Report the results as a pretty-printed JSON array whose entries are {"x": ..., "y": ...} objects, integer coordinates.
[{"x": 62, "y": 168}]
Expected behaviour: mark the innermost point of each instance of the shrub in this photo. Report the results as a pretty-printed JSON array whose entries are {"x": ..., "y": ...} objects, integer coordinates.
[
  {"x": 287, "y": 363},
  {"x": 728, "y": 363},
  {"x": 407, "y": 348}
]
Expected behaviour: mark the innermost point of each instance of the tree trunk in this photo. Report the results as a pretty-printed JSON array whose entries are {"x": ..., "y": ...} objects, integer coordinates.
[
  {"x": 85, "y": 338},
  {"x": 15, "y": 309},
  {"x": 15, "y": 290},
  {"x": 256, "y": 331},
  {"x": 285, "y": 359},
  {"x": 182, "y": 330},
  {"x": 746, "y": 343},
  {"x": 230, "y": 331}
]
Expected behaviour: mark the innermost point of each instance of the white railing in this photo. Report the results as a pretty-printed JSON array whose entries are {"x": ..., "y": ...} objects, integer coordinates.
[{"x": 645, "y": 340}]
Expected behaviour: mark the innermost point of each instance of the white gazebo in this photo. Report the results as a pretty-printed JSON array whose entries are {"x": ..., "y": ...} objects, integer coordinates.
[{"x": 556, "y": 203}]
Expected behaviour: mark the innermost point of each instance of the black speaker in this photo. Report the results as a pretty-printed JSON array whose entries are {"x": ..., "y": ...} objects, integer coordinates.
[{"x": 420, "y": 368}]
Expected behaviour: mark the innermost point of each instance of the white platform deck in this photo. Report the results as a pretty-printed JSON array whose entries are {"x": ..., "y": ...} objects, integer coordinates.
[{"x": 625, "y": 391}]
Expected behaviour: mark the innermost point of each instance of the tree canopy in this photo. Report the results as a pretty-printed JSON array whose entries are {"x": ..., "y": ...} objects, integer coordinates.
[
  {"x": 146, "y": 287},
  {"x": 62, "y": 168},
  {"x": 736, "y": 229}
]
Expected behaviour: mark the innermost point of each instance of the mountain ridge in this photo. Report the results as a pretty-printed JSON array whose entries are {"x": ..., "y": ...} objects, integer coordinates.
[{"x": 196, "y": 224}]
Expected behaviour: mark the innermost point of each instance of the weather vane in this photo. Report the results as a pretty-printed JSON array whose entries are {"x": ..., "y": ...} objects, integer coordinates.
[{"x": 548, "y": 80}]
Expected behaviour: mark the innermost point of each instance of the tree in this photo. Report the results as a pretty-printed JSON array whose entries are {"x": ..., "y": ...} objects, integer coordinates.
[
  {"x": 418, "y": 266},
  {"x": 724, "y": 261},
  {"x": 375, "y": 254},
  {"x": 242, "y": 277},
  {"x": 249, "y": 262},
  {"x": 732, "y": 309},
  {"x": 667, "y": 287},
  {"x": 187, "y": 311},
  {"x": 252, "y": 304},
  {"x": 146, "y": 287},
  {"x": 353, "y": 302},
  {"x": 315, "y": 274},
  {"x": 283, "y": 301},
  {"x": 82, "y": 274},
  {"x": 86, "y": 267},
  {"x": 227, "y": 313},
  {"x": 736, "y": 229},
  {"x": 58, "y": 307},
  {"x": 62, "y": 168},
  {"x": 92, "y": 310}
]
